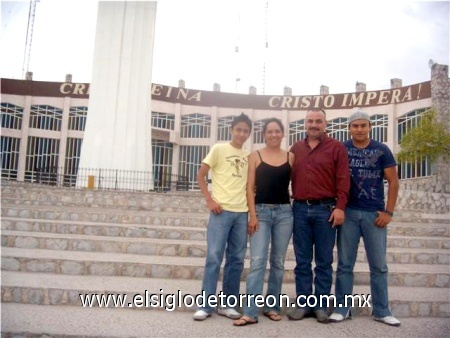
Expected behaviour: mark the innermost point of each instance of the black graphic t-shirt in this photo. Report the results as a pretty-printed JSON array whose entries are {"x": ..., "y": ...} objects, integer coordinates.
[{"x": 367, "y": 174}]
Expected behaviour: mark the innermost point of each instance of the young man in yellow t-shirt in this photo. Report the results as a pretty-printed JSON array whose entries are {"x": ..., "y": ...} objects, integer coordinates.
[{"x": 227, "y": 226}]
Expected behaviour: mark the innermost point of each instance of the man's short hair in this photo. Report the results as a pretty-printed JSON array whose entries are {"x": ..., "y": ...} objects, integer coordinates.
[
  {"x": 318, "y": 109},
  {"x": 242, "y": 118}
]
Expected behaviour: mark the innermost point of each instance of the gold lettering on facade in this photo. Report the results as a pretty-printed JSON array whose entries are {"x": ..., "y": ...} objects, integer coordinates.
[
  {"x": 418, "y": 91},
  {"x": 182, "y": 92},
  {"x": 328, "y": 101},
  {"x": 370, "y": 97},
  {"x": 407, "y": 96},
  {"x": 156, "y": 90},
  {"x": 196, "y": 96},
  {"x": 274, "y": 101},
  {"x": 65, "y": 88},
  {"x": 286, "y": 103},
  {"x": 344, "y": 100},
  {"x": 395, "y": 96},
  {"x": 317, "y": 100},
  {"x": 169, "y": 91},
  {"x": 357, "y": 99},
  {"x": 79, "y": 89},
  {"x": 306, "y": 102},
  {"x": 68, "y": 88},
  {"x": 383, "y": 99}
]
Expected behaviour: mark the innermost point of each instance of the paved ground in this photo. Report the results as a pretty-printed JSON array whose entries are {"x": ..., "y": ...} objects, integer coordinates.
[{"x": 114, "y": 322}]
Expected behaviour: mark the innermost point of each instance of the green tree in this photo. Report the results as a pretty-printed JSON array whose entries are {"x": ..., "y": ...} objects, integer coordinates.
[{"x": 428, "y": 138}]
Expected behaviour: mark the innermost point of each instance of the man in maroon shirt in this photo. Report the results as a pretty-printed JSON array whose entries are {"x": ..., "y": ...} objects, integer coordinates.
[{"x": 320, "y": 186}]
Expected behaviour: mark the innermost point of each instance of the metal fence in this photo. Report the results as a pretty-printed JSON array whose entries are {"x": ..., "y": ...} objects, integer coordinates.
[{"x": 109, "y": 179}]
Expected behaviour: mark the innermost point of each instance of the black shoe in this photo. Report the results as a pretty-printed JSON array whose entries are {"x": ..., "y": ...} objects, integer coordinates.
[
  {"x": 298, "y": 313},
  {"x": 321, "y": 316}
]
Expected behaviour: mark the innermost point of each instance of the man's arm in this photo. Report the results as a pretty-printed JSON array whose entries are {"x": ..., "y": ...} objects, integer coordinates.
[
  {"x": 342, "y": 187},
  {"x": 202, "y": 175},
  {"x": 251, "y": 178},
  {"x": 390, "y": 175}
]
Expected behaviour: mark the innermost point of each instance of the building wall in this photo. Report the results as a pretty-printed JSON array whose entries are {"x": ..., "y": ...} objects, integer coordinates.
[{"x": 178, "y": 104}]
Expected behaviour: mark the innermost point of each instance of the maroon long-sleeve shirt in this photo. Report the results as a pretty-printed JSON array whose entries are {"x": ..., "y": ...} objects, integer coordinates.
[{"x": 322, "y": 172}]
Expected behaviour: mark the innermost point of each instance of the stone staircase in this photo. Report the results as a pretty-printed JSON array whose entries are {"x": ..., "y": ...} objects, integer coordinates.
[{"x": 58, "y": 243}]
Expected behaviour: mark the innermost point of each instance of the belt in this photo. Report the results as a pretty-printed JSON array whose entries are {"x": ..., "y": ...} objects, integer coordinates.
[{"x": 319, "y": 201}]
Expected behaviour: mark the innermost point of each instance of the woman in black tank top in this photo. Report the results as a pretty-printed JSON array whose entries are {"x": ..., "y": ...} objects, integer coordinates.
[{"x": 270, "y": 221}]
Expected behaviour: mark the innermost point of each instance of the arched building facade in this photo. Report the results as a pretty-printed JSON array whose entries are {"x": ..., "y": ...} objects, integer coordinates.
[{"x": 43, "y": 122}]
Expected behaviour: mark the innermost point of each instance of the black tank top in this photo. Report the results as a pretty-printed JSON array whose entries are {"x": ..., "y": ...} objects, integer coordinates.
[{"x": 272, "y": 183}]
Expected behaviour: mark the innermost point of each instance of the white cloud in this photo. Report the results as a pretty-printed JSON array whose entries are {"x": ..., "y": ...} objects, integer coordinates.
[{"x": 310, "y": 43}]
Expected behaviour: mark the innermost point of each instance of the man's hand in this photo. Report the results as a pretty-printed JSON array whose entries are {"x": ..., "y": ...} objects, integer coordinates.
[
  {"x": 214, "y": 207},
  {"x": 252, "y": 226},
  {"x": 337, "y": 217},
  {"x": 383, "y": 219}
]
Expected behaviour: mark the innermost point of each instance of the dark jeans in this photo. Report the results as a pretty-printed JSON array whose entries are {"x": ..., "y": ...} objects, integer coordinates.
[{"x": 313, "y": 236}]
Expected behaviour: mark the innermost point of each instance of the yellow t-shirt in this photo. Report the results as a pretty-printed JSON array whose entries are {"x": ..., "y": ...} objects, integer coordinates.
[{"x": 229, "y": 168}]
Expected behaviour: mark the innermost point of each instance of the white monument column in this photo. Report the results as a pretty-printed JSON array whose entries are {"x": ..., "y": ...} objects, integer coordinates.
[{"x": 117, "y": 136}]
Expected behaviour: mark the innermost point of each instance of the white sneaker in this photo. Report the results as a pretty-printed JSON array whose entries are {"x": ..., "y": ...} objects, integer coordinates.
[
  {"x": 337, "y": 317},
  {"x": 389, "y": 320},
  {"x": 229, "y": 312},
  {"x": 201, "y": 315}
]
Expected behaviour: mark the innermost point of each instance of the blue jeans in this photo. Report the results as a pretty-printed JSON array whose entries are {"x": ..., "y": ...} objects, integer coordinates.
[
  {"x": 227, "y": 230},
  {"x": 313, "y": 233},
  {"x": 362, "y": 223},
  {"x": 275, "y": 226}
]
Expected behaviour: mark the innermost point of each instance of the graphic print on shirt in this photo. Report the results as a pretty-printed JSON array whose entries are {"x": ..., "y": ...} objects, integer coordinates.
[
  {"x": 238, "y": 163},
  {"x": 363, "y": 166}
]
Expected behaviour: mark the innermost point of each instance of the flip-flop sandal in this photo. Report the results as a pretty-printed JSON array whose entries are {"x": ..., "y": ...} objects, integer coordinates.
[
  {"x": 273, "y": 316},
  {"x": 243, "y": 321}
]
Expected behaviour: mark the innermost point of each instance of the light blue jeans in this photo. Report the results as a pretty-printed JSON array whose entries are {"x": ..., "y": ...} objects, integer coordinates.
[
  {"x": 225, "y": 231},
  {"x": 360, "y": 223},
  {"x": 275, "y": 227}
]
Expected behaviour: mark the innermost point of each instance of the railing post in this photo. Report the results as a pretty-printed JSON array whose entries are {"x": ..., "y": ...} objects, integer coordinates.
[{"x": 91, "y": 180}]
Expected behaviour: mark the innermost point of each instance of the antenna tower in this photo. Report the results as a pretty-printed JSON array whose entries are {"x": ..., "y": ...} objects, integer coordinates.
[
  {"x": 266, "y": 18},
  {"x": 29, "y": 39},
  {"x": 236, "y": 50}
]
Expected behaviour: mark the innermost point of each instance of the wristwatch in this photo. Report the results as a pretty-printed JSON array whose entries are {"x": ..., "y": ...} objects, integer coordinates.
[{"x": 389, "y": 213}]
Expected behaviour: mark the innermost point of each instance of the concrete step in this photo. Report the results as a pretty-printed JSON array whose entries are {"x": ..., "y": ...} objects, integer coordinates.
[
  {"x": 90, "y": 221},
  {"x": 418, "y": 242},
  {"x": 35, "y": 194},
  {"x": 439, "y": 228},
  {"x": 170, "y": 206},
  {"x": 30, "y": 320},
  {"x": 125, "y": 245},
  {"x": 416, "y": 216},
  {"x": 103, "y": 229},
  {"x": 187, "y": 202},
  {"x": 197, "y": 248},
  {"x": 115, "y": 264},
  {"x": 48, "y": 289},
  {"x": 196, "y": 232},
  {"x": 56, "y": 289},
  {"x": 105, "y": 215},
  {"x": 60, "y": 242},
  {"x": 166, "y": 205}
]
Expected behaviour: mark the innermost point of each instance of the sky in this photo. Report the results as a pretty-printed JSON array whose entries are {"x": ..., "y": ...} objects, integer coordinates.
[{"x": 268, "y": 44}]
